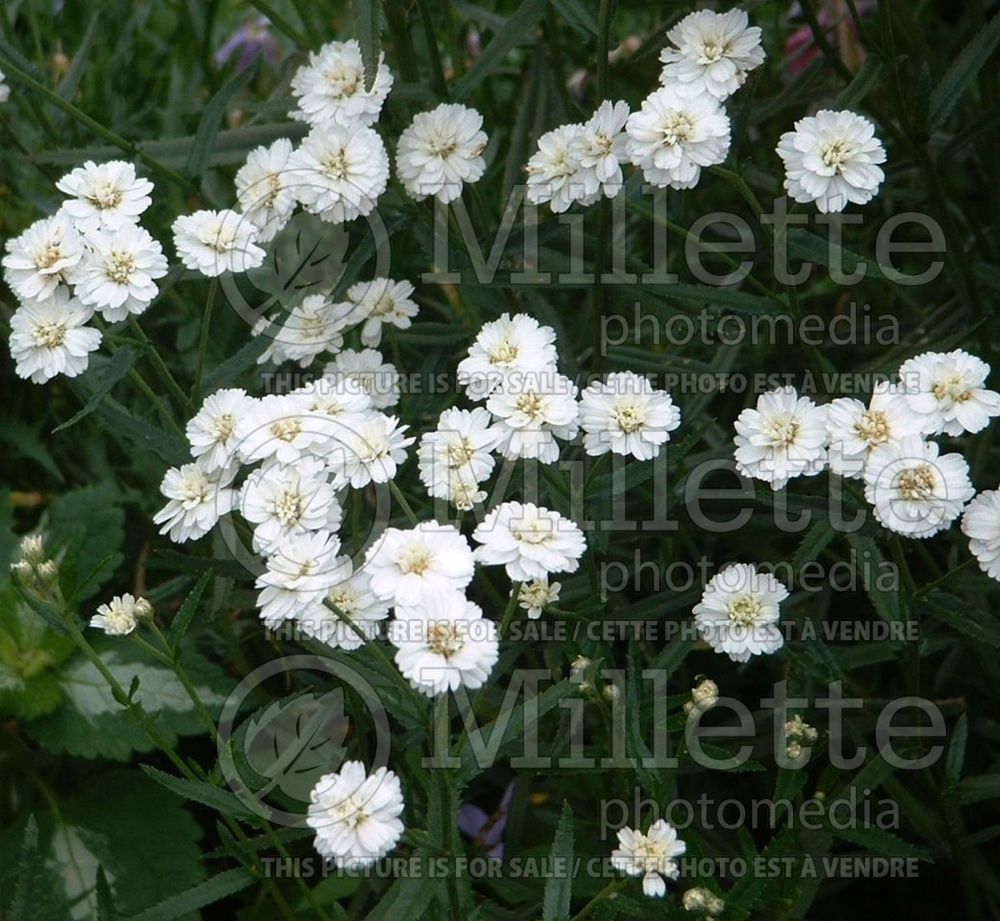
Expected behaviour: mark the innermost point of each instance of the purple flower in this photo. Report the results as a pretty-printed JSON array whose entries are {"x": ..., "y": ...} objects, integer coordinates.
[
  {"x": 251, "y": 40},
  {"x": 486, "y": 830}
]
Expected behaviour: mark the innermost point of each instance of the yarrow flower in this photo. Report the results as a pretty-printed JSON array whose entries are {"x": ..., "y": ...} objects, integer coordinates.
[
  {"x": 265, "y": 189},
  {"x": 211, "y": 432},
  {"x": 739, "y": 610},
  {"x": 403, "y": 564},
  {"x": 299, "y": 573},
  {"x": 535, "y": 596},
  {"x": 981, "y": 524},
  {"x": 673, "y": 136},
  {"x": 356, "y": 816},
  {"x": 554, "y": 171},
  {"x": 340, "y": 173},
  {"x": 533, "y": 414},
  {"x": 783, "y": 437},
  {"x": 652, "y": 855},
  {"x": 370, "y": 451},
  {"x": 443, "y": 642},
  {"x": 600, "y": 148},
  {"x": 914, "y": 489},
  {"x": 440, "y": 151},
  {"x": 213, "y": 242},
  {"x": 353, "y": 601},
  {"x": 48, "y": 337},
  {"x": 455, "y": 458},
  {"x": 711, "y": 53},
  {"x": 832, "y": 158},
  {"x": 380, "y": 302},
  {"x": 369, "y": 371},
  {"x": 43, "y": 257},
  {"x": 121, "y": 615},
  {"x": 105, "y": 195},
  {"x": 855, "y": 430},
  {"x": 625, "y": 414},
  {"x": 197, "y": 499},
  {"x": 505, "y": 351},
  {"x": 530, "y": 541},
  {"x": 314, "y": 325},
  {"x": 947, "y": 392},
  {"x": 330, "y": 89}
]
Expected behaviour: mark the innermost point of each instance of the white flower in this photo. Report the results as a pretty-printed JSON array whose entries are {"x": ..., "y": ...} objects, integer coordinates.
[
  {"x": 402, "y": 564},
  {"x": 711, "y": 52},
  {"x": 104, "y": 195},
  {"x": 279, "y": 426},
  {"x": 505, "y": 350},
  {"x": 314, "y": 325},
  {"x": 213, "y": 242},
  {"x": 784, "y": 437},
  {"x": 264, "y": 188},
  {"x": 285, "y": 501},
  {"x": 380, "y": 301},
  {"x": 914, "y": 491},
  {"x": 198, "y": 498},
  {"x": 368, "y": 452},
  {"x": 832, "y": 158},
  {"x": 117, "y": 276},
  {"x": 356, "y": 817},
  {"x": 981, "y": 524},
  {"x": 443, "y": 642},
  {"x": 299, "y": 574},
  {"x": 625, "y": 414},
  {"x": 530, "y": 541},
  {"x": 46, "y": 255},
  {"x": 440, "y": 150},
  {"x": 211, "y": 432},
  {"x": 600, "y": 148},
  {"x": 704, "y": 696},
  {"x": 672, "y": 137},
  {"x": 739, "y": 610},
  {"x": 4, "y": 88},
  {"x": 343, "y": 401},
  {"x": 353, "y": 598},
  {"x": 651, "y": 855},
  {"x": 947, "y": 390},
  {"x": 533, "y": 414},
  {"x": 454, "y": 458},
  {"x": 378, "y": 378},
  {"x": 554, "y": 171},
  {"x": 535, "y": 596},
  {"x": 330, "y": 89},
  {"x": 121, "y": 615},
  {"x": 854, "y": 430},
  {"x": 48, "y": 337},
  {"x": 339, "y": 173}
]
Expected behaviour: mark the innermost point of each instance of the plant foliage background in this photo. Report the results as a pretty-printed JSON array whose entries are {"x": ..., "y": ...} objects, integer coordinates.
[{"x": 98, "y": 822}]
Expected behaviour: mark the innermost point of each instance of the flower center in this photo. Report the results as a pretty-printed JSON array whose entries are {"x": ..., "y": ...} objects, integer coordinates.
[
  {"x": 835, "y": 153},
  {"x": 223, "y": 427},
  {"x": 104, "y": 196},
  {"x": 344, "y": 602},
  {"x": 334, "y": 166},
  {"x": 51, "y": 335},
  {"x": 415, "y": 560},
  {"x": 48, "y": 257},
  {"x": 627, "y": 417},
  {"x": 350, "y": 812},
  {"x": 677, "y": 128},
  {"x": 195, "y": 489},
  {"x": 384, "y": 305},
  {"x": 744, "y": 610},
  {"x": 286, "y": 430},
  {"x": 952, "y": 388},
  {"x": 343, "y": 81},
  {"x": 531, "y": 404},
  {"x": 917, "y": 483},
  {"x": 712, "y": 50},
  {"x": 873, "y": 427},
  {"x": 504, "y": 353},
  {"x": 782, "y": 432},
  {"x": 288, "y": 508},
  {"x": 221, "y": 241},
  {"x": 119, "y": 266},
  {"x": 532, "y": 532},
  {"x": 460, "y": 452},
  {"x": 444, "y": 638}
]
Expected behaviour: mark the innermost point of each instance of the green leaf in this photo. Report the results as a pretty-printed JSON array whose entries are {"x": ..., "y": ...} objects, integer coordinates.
[
  {"x": 559, "y": 886},
  {"x": 101, "y": 381},
  {"x": 71, "y": 82},
  {"x": 106, "y": 910},
  {"x": 519, "y": 29},
  {"x": 881, "y": 843},
  {"x": 886, "y": 603},
  {"x": 862, "y": 84},
  {"x": 577, "y": 15},
  {"x": 207, "y": 893},
  {"x": 185, "y": 614},
  {"x": 211, "y": 122},
  {"x": 958, "y": 614},
  {"x": 408, "y": 897},
  {"x": 206, "y": 794},
  {"x": 29, "y": 888},
  {"x": 369, "y": 17},
  {"x": 25, "y": 443},
  {"x": 962, "y": 72},
  {"x": 956, "y": 750},
  {"x": 977, "y": 789}
]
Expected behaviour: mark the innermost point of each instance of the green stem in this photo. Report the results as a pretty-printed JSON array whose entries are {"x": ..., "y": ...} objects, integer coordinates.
[
  {"x": 206, "y": 327},
  {"x": 437, "y": 69},
  {"x": 281, "y": 24},
  {"x": 397, "y": 494},
  {"x": 158, "y": 404},
  {"x": 509, "y": 611},
  {"x": 597, "y": 899},
  {"x": 153, "y": 353}
]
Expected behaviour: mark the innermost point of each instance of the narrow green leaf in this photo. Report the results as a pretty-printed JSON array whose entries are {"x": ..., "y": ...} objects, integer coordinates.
[
  {"x": 205, "y": 793},
  {"x": 369, "y": 17},
  {"x": 207, "y": 893},
  {"x": 407, "y": 897},
  {"x": 881, "y": 843},
  {"x": 27, "y": 876},
  {"x": 862, "y": 84},
  {"x": 978, "y": 789},
  {"x": 106, "y": 910},
  {"x": 71, "y": 82},
  {"x": 101, "y": 382},
  {"x": 962, "y": 72},
  {"x": 559, "y": 886},
  {"x": 211, "y": 123},
  {"x": 577, "y": 15},
  {"x": 956, "y": 750},
  {"x": 518, "y": 30},
  {"x": 182, "y": 619}
]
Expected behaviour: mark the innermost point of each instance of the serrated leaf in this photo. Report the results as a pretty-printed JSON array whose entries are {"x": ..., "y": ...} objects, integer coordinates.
[
  {"x": 209, "y": 892},
  {"x": 211, "y": 123},
  {"x": 881, "y": 842},
  {"x": 518, "y": 30},
  {"x": 101, "y": 381},
  {"x": 977, "y": 789},
  {"x": 186, "y": 612},
  {"x": 559, "y": 886},
  {"x": 961, "y": 73},
  {"x": 369, "y": 18},
  {"x": 222, "y": 801}
]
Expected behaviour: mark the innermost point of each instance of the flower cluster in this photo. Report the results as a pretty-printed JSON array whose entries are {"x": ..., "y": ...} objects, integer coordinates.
[{"x": 90, "y": 257}]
